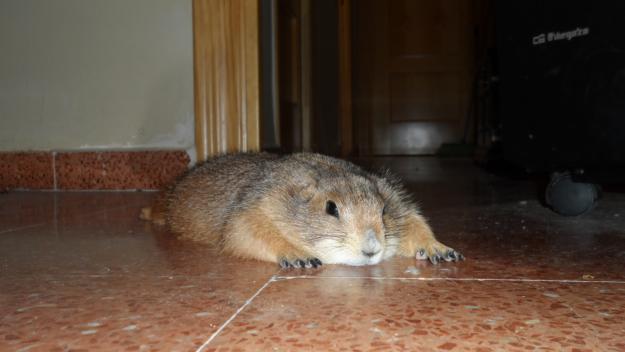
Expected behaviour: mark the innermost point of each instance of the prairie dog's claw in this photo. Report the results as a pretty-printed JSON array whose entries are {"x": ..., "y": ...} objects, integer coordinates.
[
  {"x": 299, "y": 263},
  {"x": 437, "y": 253}
]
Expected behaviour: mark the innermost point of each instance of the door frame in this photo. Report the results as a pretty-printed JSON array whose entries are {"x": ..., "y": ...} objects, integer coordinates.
[{"x": 226, "y": 76}]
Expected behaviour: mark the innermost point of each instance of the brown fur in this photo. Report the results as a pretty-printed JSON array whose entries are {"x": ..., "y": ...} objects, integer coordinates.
[{"x": 271, "y": 208}]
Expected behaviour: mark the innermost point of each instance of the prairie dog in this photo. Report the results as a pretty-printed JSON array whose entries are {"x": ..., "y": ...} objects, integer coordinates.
[{"x": 299, "y": 210}]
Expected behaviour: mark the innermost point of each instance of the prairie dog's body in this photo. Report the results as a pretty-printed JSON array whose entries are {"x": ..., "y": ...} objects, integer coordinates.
[{"x": 297, "y": 210}]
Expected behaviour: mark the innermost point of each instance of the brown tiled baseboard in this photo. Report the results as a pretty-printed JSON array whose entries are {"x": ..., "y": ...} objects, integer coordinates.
[
  {"x": 31, "y": 170},
  {"x": 91, "y": 170}
]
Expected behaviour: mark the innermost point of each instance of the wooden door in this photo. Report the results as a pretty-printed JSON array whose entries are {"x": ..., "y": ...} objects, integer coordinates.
[
  {"x": 411, "y": 66},
  {"x": 308, "y": 75},
  {"x": 289, "y": 75}
]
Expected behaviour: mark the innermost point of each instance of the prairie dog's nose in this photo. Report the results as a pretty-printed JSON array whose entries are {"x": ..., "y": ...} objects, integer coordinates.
[{"x": 371, "y": 245}]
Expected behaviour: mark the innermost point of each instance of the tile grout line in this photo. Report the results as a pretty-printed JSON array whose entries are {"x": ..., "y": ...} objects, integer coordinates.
[
  {"x": 233, "y": 316},
  {"x": 94, "y": 212},
  {"x": 569, "y": 281},
  {"x": 54, "y": 186},
  {"x": 22, "y": 227}
]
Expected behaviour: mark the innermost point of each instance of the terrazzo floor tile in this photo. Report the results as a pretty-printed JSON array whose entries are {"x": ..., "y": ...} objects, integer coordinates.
[
  {"x": 116, "y": 312},
  {"x": 363, "y": 314},
  {"x": 94, "y": 277},
  {"x": 29, "y": 209},
  {"x": 80, "y": 272}
]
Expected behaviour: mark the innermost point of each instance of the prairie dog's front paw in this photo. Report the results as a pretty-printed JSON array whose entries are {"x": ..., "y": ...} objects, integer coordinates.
[
  {"x": 437, "y": 252},
  {"x": 299, "y": 263}
]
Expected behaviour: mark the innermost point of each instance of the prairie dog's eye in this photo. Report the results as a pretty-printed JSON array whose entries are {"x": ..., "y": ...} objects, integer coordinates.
[
  {"x": 332, "y": 209},
  {"x": 384, "y": 209}
]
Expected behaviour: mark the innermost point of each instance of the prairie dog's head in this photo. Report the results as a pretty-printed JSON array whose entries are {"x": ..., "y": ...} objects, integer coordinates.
[{"x": 341, "y": 220}]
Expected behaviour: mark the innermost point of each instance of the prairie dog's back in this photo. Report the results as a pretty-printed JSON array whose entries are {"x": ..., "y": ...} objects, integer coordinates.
[{"x": 207, "y": 195}]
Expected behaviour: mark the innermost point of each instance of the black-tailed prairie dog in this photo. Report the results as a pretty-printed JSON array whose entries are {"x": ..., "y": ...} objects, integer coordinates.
[{"x": 299, "y": 210}]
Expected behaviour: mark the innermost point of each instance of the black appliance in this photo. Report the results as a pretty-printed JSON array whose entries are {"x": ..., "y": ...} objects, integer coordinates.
[{"x": 562, "y": 94}]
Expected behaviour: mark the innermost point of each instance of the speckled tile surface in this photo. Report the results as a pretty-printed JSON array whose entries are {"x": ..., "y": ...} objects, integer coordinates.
[
  {"x": 27, "y": 170},
  {"x": 116, "y": 312},
  {"x": 359, "y": 314},
  {"x": 91, "y": 276},
  {"x": 92, "y": 170},
  {"x": 119, "y": 170},
  {"x": 80, "y": 272}
]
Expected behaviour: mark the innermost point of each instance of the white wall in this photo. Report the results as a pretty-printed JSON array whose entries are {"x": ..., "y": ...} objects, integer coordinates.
[{"x": 89, "y": 74}]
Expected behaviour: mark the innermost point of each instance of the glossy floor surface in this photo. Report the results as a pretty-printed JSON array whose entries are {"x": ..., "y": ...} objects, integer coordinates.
[{"x": 79, "y": 271}]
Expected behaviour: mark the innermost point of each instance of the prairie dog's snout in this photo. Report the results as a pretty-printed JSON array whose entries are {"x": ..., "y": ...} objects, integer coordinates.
[{"x": 371, "y": 245}]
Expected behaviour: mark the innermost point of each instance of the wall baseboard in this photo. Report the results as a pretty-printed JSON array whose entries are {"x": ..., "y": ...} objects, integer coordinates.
[{"x": 91, "y": 170}]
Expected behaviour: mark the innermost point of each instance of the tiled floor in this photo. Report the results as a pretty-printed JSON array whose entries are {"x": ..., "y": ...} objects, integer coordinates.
[{"x": 79, "y": 272}]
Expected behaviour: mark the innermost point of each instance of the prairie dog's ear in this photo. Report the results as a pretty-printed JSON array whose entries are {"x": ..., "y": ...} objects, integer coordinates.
[
  {"x": 305, "y": 187},
  {"x": 384, "y": 183},
  {"x": 390, "y": 188},
  {"x": 308, "y": 192}
]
